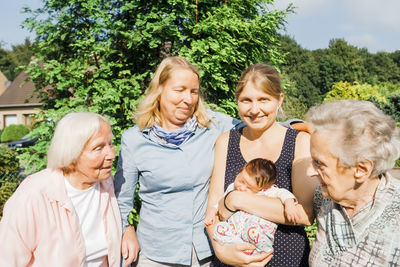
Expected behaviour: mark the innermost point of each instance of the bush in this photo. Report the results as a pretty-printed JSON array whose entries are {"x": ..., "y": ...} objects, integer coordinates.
[
  {"x": 311, "y": 231},
  {"x": 10, "y": 176},
  {"x": 14, "y": 132},
  {"x": 6, "y": 190}
]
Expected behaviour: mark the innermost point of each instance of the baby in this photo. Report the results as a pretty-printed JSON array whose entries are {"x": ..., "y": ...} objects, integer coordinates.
[{"x": 258, "y": 176}]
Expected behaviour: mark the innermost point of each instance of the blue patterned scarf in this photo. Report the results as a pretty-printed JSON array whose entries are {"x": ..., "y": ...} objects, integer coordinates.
[{"x": 178, "y": 136}]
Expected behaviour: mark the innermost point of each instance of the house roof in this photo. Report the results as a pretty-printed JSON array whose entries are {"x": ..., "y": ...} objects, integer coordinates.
[
  {"x": 18, "y": 91},
  {"x": 3, "y": 81}
]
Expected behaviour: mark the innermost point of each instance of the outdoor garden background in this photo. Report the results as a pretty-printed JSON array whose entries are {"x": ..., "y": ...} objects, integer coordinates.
[{"x": 99, "y": 55}]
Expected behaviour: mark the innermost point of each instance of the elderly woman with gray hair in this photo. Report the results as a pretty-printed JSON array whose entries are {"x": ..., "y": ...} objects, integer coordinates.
[
  {"x": 357, "y": 205},
  {"x": 67, "y": 215}
]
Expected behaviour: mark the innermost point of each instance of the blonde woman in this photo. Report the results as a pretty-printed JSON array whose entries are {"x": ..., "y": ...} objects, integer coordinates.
[
  {"x": 170, "y": 154},
  {"x": 259, "y": 95}
]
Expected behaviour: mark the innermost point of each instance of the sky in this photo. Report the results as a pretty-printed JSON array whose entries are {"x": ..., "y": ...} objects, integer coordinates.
[{"x": 373, "y": 24}]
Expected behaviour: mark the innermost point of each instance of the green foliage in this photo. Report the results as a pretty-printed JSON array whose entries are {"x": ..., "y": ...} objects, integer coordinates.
[
  {"x": 133, "y": 218},
  {"x": 345, "y": 90},
  {"x": 14, "y": 132},
  {"x": 9, "y": 175},
  {"x": 9, "y": 165},
  {"x": 12, "y": 60},
  {"x": 391, "y": 107},
  {"x": 311, "y": 232},
  {"x": 100, "y": 55},
  {"x": 6, "y": 191},
  {"x": 301, "y": 72},
  {"x": 315, "y": 72},
  {"x": 293, "y": 105}
]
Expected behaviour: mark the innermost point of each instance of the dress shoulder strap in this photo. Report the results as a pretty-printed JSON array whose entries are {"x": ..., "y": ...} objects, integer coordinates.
[{"x": 234, "y": 159}]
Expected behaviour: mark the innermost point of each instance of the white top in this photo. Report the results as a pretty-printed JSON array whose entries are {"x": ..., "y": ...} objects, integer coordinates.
[
  {"x": 273, "y": 191},
  {"x": 87, "y": 207}
]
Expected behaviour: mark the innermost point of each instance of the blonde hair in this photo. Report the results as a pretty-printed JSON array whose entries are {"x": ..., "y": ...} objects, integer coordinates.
[
  {"x": 72, "y": 133},
  {"x": 360, "y": 131},
  {"x": 264, "y": 77},
  {"x": 148, "y": 111}
]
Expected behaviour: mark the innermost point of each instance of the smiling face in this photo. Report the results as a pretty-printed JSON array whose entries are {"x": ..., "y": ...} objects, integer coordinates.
[
  {"x": 179, "y": 98},
  {"x": 95, "y": 161},
  {"x": 245, "y": 183},
  {"x": 337, "y": 182},
  {"x": 257, "y": 108}
]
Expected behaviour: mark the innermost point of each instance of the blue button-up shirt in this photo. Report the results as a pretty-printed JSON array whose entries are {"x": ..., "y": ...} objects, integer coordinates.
[{"x": 174, "y": 184}]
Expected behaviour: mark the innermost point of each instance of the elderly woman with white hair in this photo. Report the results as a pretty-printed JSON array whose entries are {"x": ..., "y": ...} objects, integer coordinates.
[
  {"x": 357, "y": 205},
  {"x": 66, "y": 215}
]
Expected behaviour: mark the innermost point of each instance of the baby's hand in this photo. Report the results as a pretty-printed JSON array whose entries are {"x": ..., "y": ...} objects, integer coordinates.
[
  {"x": 209, "y": 219},
  {"x": 291, "y": 212}
]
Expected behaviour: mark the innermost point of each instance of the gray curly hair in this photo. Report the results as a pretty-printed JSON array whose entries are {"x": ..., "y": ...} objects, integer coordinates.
[{"x": 360, "y": 132}]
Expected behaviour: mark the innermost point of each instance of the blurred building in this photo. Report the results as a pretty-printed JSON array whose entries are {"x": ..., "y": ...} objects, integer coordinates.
[{"x": 16, "y": 104}]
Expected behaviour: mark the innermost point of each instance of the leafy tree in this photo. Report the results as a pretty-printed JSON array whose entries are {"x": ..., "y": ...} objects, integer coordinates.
[
  {"x": 12, "y": 60},
  {"x": 293, "y": 106},
  {"x": 340, "y": 62},
  {"x": 396, "y": 57},
  {"x": 99, "y": 55},
  {"x": 384, "y": 68},
  {"x": 391, "y": 107},
  {"x": 301, "y": 68}
]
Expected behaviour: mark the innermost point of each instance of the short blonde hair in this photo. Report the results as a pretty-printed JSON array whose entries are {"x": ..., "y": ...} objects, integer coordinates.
[
  {"x": 360, "y": 131},
  {"x": 72, "y": 133},
  {"x": 264, "y": 77},
  {"x": 148, "y": 111}
]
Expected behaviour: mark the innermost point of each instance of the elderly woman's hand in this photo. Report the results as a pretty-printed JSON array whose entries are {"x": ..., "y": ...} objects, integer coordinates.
[
  {"x": 234, "y": 254},
  {"x": 130, "y": 245}
]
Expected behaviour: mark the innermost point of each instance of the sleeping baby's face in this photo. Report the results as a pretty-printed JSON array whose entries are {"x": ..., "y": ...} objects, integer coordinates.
[{"x": 245, "y": 183}]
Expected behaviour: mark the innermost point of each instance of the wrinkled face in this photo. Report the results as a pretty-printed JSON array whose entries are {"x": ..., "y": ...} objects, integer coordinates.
[
  {"x": 179, "y": 98},
  {"x": 95, "y": 162},
  {"x": 336, "y": 181},
  {"x": 245, "y": 183},
  {"x": 257, "y": 108}
]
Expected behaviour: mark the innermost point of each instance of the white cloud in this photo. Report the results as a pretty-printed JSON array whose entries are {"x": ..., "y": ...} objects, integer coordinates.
[
  {"x": 364, "y": 40},
  {"x": 304, "y": 7},
  {"x": 377, "y": 14}
]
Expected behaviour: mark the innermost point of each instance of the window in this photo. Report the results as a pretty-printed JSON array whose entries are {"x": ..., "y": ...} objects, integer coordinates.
[
  {"x": 10, "y": 119},
  {"x": 28, "y": 120}
]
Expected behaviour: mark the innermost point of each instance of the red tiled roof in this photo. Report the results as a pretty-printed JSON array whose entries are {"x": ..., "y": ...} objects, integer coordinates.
[{"x": 18, "y": 91}]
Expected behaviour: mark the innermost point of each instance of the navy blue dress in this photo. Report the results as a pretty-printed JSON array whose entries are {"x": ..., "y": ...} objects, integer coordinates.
[{"x": 291, "y": 247}]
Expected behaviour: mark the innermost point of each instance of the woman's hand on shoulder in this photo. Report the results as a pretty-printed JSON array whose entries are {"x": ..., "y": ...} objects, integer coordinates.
[
  {"x": 130, "y": 245},
  {"x": 234, "y": 254}
]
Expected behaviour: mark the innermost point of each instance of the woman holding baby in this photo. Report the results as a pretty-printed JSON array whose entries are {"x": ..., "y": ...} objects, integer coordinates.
[{"x": 259, "y": 95}]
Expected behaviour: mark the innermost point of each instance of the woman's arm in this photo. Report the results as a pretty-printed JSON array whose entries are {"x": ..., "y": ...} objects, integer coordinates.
[
  {"x": 272, "y": 209},
  {"x": 303, "y": 185},
  {"x": 216, "y": 190},
  {"x": 18, "y": 231},
  {"x": 126, "y": 179}
]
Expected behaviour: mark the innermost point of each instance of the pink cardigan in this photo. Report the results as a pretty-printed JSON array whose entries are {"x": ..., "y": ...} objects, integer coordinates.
[{"x": 40, "y": 228}]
